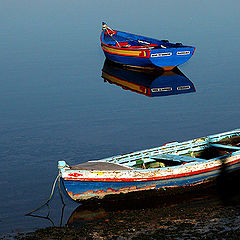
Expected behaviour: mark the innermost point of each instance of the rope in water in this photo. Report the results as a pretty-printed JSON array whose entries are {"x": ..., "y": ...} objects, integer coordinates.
[{"x": 50, "y": 197}]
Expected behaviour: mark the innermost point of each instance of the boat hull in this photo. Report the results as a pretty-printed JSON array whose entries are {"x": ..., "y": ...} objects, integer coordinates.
[
  {"x": 82, "y": 189},
  {"x": 130, "y": 61},
  {"x": 172, "y": 166},
  {"x": 142, "y": 52},
  {"x": 148, "y": 59},
  {"x": 171, "y": 57}
]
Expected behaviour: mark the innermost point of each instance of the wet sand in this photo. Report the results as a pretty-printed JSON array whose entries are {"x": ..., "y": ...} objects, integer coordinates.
[{"x": 207, "y": 214}]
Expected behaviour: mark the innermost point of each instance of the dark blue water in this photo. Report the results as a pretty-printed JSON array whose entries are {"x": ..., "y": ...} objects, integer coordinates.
[{"x": 54, "y": 104}]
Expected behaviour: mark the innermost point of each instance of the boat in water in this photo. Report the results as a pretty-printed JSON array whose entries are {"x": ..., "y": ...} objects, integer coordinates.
[
  {"x": 173, "y": 166},
  {"x": 148, "y": 83},
  {"x": 143, "y": 52}
]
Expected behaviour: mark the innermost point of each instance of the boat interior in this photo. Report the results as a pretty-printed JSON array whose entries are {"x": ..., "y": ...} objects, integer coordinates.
[
  {"x": 218, "y": 149},
  {"x": 119, "y": 40}
]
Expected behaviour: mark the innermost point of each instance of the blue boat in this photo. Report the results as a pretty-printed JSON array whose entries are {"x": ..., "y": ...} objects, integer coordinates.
[
  {"x": 148, "y": 83},
  {"x": 142, "y": 52},
  {"x": 172, "y": 166}
]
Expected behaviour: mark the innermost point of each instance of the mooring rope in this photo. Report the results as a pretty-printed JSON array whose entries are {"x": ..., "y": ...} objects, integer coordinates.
[
  {"x": 138, "y": 41},
  {"x": 106, "y": 28},
  {"x": 50, "y": 197},
  {"x": 59, "y": 187}
]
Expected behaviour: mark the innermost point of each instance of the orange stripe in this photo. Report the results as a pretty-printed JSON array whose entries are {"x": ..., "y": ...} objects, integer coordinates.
[
  {"x": 131, "y": 86},
  {"x": 124, "y": 52}
]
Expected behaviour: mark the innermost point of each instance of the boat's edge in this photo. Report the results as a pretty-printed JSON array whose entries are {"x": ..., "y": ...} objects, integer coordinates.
[
  {"x": 216, "y": 183},
  {"x": 62, "y": 165},
  {"x": 148, "y": 57}
]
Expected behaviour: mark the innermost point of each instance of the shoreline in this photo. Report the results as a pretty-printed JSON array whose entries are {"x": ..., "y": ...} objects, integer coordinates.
[{"x": 204, "y": 216}]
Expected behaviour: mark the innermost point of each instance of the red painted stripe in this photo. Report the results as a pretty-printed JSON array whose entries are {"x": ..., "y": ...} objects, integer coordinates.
[
  {"x": 128, "y": 55},
  {"x": 124, "y": 48},
  {"x": 111, "y": 46},
  {"x": 102, "y": 43},
  {"x": 150, "y": 178},
  {"x": 193, "y": 51}
]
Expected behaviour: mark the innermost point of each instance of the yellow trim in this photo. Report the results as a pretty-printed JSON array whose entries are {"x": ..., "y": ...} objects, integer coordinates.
[
  {"x": 129, "y": 85},
  {"x": 136, "y": 53}
]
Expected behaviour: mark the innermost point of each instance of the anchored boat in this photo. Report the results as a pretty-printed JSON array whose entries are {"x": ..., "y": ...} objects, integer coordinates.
[
  {"x": 148, "y": 83},
  {"x": 171, "y": 166},
  {"x": 142, "y": 52}
]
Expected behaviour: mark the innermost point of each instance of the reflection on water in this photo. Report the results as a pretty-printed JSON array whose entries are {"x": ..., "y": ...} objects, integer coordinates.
[
  {"x": 210, "y": 199},
  {"x": 48, "y": 217},
  {"x": 100, "y": 211},
  {"x": 96, "y": 212},
  {"x": 191, "y": 213},
  {"x": 149, "y": 83}
]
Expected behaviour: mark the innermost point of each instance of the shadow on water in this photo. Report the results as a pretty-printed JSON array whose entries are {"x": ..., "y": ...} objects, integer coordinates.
[{"x": 149, "y": 83}]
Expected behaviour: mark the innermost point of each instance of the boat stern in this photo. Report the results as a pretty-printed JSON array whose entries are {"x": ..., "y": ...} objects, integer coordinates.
[{"x": 171, "y": 57}]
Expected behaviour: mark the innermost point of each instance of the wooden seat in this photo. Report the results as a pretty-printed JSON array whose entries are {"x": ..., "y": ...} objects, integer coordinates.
[
  {"x": 177, "y": 158},
  {"x": 229, "y": 147},
  {"x": 96, "y": 165}
]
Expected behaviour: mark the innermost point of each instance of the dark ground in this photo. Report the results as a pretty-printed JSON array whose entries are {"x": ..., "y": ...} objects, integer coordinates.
[{"x": 207, "y": 214}]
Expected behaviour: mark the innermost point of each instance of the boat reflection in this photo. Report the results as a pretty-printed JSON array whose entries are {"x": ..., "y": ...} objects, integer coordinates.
[
  {"x": 210, "y": 199},
  {"x": 149, "y": 205},
  {"x": 206, "y": 199},
  {"x": 48, "y": 218},
  {"x": 148, "y": 83}
]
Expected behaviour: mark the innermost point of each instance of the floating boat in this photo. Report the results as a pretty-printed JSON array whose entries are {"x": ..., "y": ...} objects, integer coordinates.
[
  {"x": 172, "y": 166},
  {"x": 142, "y": 52},
  {"x": 148, "y": 83}
]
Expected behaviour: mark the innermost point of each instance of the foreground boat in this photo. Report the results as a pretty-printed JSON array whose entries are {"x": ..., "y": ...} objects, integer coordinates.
[
  {"x": 171, "y": 166},
  {"x": 143, "y": 52},
  {"x": 148, "y": 83}
]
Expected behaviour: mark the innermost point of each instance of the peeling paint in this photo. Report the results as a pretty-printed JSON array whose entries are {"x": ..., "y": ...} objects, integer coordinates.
[
  {"x": 83, "y": 184},
  {"x": 100, "y": 193}
]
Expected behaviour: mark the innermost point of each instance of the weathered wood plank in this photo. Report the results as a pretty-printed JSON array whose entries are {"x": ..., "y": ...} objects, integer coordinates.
[
  {"x": 177, "y": 158},
  {"x": 98, "y": 166},
  {"x": 225, "y": 146}
]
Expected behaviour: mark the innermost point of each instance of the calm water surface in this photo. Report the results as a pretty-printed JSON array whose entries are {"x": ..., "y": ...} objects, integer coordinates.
[{"x": 55, "y": 105}]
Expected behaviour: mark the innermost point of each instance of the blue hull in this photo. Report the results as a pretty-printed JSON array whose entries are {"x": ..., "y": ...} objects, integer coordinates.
[
  {"x": 93, "y": 190},
  {"x": 197, "y": 161},
  {"x": 175, "y": 59},
  {"x": 130, "y": 61},
  {"x": 139, "y": 51}
]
